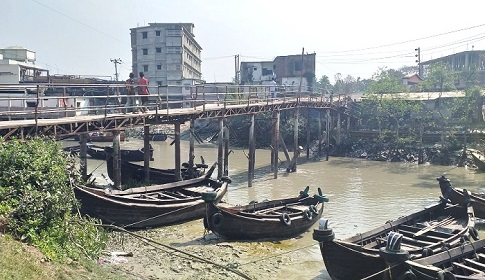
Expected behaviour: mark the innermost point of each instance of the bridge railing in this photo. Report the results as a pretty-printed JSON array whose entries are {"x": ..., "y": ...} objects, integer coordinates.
[{"x": 33, "y": 101}]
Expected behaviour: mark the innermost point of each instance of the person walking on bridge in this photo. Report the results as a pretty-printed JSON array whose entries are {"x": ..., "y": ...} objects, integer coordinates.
[
  {"x": 130, "y": 94},
  {"x": 143, "y": 91}
]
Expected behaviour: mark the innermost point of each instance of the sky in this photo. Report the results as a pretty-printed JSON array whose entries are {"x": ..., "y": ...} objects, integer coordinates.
[{"x": 349, "y": 37}]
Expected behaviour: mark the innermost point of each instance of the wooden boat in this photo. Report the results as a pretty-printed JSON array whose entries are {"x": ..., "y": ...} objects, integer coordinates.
[
  {"x": 158, "y": 136},
  {"x": 104, "y": 136},
  {"x": 151, "y": 206},
  {"x": 131, "y": 172},
  {"x": 462, "y": 197},
  {"x": 478, "y": 160},
  {"x": 126, "y": 154},
  {"x": 275, "y": 219},
  {"x": 464, "y": 262},
  {"x": 436, "y": 228}
]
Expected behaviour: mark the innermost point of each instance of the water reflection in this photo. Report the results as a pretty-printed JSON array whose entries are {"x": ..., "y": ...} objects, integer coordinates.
[{"x": 363, "y": 194}]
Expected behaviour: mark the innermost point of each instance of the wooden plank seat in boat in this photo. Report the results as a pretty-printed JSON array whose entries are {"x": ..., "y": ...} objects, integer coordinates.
[
  {"x": 422, "y": 237},
  {"x": 435, "y": 233},
  {"x": 475, "y": 263},
  {"x": 381, "y": 242},
  {"x": 471, "y": 269}
]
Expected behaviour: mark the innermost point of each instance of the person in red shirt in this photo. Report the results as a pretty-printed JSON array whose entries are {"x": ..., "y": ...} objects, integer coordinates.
[{"x": 143, "y": 91}]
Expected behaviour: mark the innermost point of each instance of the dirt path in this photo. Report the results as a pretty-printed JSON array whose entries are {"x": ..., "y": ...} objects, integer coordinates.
[{"x": 292, "y": 259}]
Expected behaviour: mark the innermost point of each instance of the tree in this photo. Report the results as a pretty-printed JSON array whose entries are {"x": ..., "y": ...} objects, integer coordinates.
[
  {"x": 323, "y": 85},
  {"x": 439, "y": 77}
]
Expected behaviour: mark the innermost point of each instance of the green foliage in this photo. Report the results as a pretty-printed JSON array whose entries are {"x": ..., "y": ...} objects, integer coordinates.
[
  {"x": 439, "y": 78},
  {"x": 37, "y": 199},
  {"x": 386, "y": 81}
]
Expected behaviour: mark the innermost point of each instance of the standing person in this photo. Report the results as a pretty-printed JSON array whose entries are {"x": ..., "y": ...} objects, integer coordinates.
[
  {"x": 143, "y": 91},
  {"x": 130, "y": 92},
  {"x": 272, "y": 88}
]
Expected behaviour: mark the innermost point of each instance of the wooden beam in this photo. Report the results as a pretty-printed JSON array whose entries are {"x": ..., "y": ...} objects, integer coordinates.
[
  {"x": 146, "y": 148},
  {"x": 252, "y": 154},
  {"x": 178, "y": 162}
]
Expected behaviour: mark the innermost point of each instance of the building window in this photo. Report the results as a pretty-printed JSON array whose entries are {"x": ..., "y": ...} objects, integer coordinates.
[
  {"x": 298, "y": 66},
  {"x": 159, "y": 50},
  {"x": 145, "y": 68},
  {"x": 159, "y": 83},
  {"x": 144, "y": 35},
  {"x": 178, "y": 67},
  {"x": 145, "y": 51},
  {"x": 157, "y": 33},
  {"x": 159, "y": 67}
]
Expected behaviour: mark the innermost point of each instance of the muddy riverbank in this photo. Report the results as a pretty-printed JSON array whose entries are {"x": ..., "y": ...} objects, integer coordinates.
[{"x": 247, "y": 260}]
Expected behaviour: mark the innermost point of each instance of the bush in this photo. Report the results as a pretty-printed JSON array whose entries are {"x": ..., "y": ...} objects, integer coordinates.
[{"x": 37, "y": 201}]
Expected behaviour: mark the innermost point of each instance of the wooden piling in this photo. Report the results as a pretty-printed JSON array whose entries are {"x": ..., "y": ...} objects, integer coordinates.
[
  {"x": 276, "y": 136},
  {"x": 116, "y": 159},
  {"x": 226, "y": 151},
  {"x": 320, "y": 133},
  {"x": 220, "y": 140},
  {"x": 296, "y": 147},
  {"x": 83, "y": 156},
  {"x": 328, "y": 120},
  {"x": 191, "y": 148},
  {"x": 308, "y": 139},
  {"x": 252, "y": 148},
  {"x": 177, "y": 151},
  {"x": 146, "y": 148},
  {"x": 339, "y": 132}
]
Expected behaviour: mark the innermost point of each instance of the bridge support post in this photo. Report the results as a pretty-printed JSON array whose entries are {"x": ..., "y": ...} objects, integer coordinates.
[
  {"x": 296, "y": 147},
  {"x": 83, "y": 156},
  {"x": 320, "y": 133},
  {"x": 226, "y": 151},
  {"x": 191, "y": 148},
  {"x": 177, "y": 151},
  {"x": 308, "y": 136},
  {"x": 329, "y": 121},
  {"x": 339, "y": 128},
  {"x": 146, "y": 149},
  {"x": 116, "y": 159},
  {"x": 252, "y": 154},
  {"x": 275, "y": 141},
  {"x": 220, "y": 140}
]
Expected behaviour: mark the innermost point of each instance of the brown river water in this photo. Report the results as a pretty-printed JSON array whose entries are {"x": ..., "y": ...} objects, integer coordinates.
[{"x": 363, "y": 194}]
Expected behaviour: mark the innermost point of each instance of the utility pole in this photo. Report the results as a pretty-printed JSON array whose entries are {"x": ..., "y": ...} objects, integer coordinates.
[
  {"x": 418, "y": 60},
  {"x": 116, "y": 62},
  {"x": 236, "y": 69}
]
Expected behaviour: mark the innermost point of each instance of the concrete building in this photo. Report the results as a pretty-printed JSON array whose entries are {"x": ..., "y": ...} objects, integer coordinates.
[
  {"x": 167, "y": 53},
  {"x": 17, "y": 65},
  {"x": 287, "y": 71},
  {"x": 463, "y": 61}
]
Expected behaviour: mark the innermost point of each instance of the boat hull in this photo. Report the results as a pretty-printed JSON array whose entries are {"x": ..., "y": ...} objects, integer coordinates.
[
  {"x": 238, "y": 223},
  {"x": 137, "y": 214}
]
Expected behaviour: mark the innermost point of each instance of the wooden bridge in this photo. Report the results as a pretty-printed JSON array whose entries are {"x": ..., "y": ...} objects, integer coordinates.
[{"x": 66, "y": 110}]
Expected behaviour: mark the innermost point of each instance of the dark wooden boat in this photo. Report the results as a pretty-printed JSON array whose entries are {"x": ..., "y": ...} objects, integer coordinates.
[
  {"x": 99, "y": 152},
  {"x": 464, "y": 262},
  {"x": 131, "y": 172},
  {"x": 151, "y": 206},
  {"x": 104, "y": 136},
  {"x": 275, "y": 219},
  {"x": 462, "y": 196},
  {"x": 436, "y": 228},
  {"x": 478, "y": 160},
  {"x": 158, "y": 136}
]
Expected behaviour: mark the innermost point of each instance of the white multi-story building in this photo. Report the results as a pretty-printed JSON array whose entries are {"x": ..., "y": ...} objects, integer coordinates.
[{"x": 167, "y": 53}]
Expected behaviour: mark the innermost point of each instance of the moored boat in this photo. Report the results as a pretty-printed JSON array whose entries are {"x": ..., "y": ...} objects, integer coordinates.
[
  {"x": 464, "y": 262},
  {"x": 151, "y": 206},
  {"x": 478, "y": 160},
  {"x": 462, "y": 196},
  {"x": 131, "y": 172},
  {"x": 274, "y": 219},
  {"x": 439, "y": 227}
]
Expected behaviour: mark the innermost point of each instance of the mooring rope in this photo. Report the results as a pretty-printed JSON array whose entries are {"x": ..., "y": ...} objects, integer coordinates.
[
  {"x": 179, "y": 251},
  {"x": 276, "y": 255}
]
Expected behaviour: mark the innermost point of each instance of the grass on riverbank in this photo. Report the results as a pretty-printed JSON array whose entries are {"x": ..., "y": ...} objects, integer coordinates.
[{"x": 20, "y": 261}]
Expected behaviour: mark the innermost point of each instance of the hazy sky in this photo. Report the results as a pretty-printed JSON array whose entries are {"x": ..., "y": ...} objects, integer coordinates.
[{"x": 351, "y": 37}]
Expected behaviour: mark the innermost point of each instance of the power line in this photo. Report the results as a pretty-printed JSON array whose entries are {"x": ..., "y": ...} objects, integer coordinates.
[
  {"x": 409, "y": 41},
  {"x": 82, "y": 23}
]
